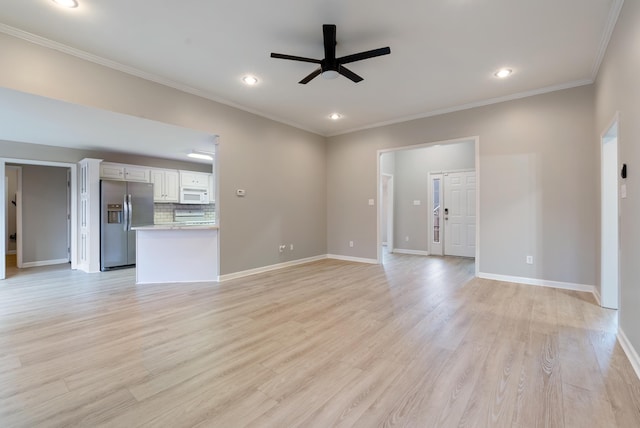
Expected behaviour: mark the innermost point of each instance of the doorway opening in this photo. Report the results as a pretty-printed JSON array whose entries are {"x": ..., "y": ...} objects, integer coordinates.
[
  {"x": 609, "y": 219},
  {"x": 435, "y": 190},
  {"x": 45, "y": 212}
]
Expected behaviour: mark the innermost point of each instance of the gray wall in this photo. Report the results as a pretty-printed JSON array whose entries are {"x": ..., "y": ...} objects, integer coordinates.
[
  {"x": 44, "y": 213},
  {"x": 412, "y": 168},
  {"x": 536, "y": 183},
  {"x": 282, "y": 168},
  {"x": 618, "y": 90}
]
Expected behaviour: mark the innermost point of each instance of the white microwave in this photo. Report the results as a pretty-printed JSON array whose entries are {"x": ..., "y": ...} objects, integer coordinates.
[{"x": 189, "y": 195}]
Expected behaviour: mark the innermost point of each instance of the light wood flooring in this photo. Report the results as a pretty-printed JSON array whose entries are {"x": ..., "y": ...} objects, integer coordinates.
[{"x": 418, "y": 342}]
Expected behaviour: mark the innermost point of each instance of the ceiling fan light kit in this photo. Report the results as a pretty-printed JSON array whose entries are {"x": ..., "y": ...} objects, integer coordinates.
[{"x": 330, "y": 66}]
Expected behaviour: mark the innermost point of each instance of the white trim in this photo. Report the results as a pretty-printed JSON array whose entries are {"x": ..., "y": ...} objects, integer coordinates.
[
  {"x": 38, "y": 40},
  {"x": 596, "y": 294},
  {"x": 19, "y": 235},
  {"x": 74, "y": 204},
  {"x": 477, "y": 260},
  {"x": 411, "y": 252},
  {"x": 604, "y": 138},
  {"x": 3, "y": 212},
  {"x": 481, "y": 103},
  {"x": 263, "y": 269},
  {"x": 631, "y": 352},
  {"x": 538, "y": 282},
  {"x": 44, "y": 263},
  {"x": 390, "y": 211},
  {"x": 354, "y": 259},
  {"x": 612, "y": 19}
]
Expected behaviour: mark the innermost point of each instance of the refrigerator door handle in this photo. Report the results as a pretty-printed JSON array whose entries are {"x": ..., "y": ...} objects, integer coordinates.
[
  {"x": 130, "y": 211},
  {"x": 125, "y": 207}
]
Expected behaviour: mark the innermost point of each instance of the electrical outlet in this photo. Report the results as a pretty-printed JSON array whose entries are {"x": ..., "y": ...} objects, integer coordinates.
[
  {"x": 406, "y": 238},
  {"x": 291, "y": 247},
  {"x": 529, "y": 260},
  {"x": 351, "y": 244}
]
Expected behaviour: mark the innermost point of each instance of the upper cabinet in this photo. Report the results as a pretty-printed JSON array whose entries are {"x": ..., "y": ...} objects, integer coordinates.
[
  {"x": 115, "y": 171},
  {"x": 166, "y": 182},
  {"x": 199, "y": 180},
  {"x": 166, "y": 187}
]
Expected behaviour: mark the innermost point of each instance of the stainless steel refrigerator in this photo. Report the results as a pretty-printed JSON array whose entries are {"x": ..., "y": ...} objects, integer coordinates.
[{"x": 123, "y": 204}]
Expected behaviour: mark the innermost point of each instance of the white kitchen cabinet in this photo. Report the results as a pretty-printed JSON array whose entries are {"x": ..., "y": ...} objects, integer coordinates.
[
  {"x": 166, "y": 187},
  {"x": 114, "y": 171},
  {"x": 111, "y": 171},
  {"x": 199, "y": 180},
  {"x": 136, "y": 174}
]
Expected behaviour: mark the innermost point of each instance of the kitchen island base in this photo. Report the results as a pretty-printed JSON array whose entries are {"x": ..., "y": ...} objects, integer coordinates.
[{"x": 186, "y": 254}]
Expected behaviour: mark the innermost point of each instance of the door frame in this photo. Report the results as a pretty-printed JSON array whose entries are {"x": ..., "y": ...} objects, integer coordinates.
[
  {"x": 390, "y": 206},
  {"x": 610, "y": 217},
  {"x": 18, "y": 170},
  {"x": 74, "y": 206},
  {"x": 476, "y": 140}
]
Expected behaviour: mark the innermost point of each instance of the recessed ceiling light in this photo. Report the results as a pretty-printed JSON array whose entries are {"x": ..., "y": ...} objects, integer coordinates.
[
  {"x": 335, "y": 116},
  {"x": 503, "y": 72},
  {"x": 250, "y": 80},
  {"x": 66, "y": 3}
]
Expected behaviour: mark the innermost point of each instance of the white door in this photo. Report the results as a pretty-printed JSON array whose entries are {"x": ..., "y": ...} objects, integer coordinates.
[{"x": 460, "y": 213}]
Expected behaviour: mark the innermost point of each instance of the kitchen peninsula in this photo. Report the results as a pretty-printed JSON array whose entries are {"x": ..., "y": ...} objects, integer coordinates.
[{"x": 176, "y": 253}]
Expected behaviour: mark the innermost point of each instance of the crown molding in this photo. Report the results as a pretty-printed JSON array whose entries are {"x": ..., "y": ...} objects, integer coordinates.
[
  {"x": 468, "y": 106},
  {"x": 612, "y": 19},
  {"x": 47, "y": 43}
]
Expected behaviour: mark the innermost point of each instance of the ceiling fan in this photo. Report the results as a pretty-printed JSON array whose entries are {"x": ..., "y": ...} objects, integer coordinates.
[{"x": 331, "y": 66}]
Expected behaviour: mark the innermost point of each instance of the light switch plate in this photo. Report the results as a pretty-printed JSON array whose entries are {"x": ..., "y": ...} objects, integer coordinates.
[
  {"x": 371, "y": 202},
  {"x": 417, "y": 202},
  {"x": 623, "y": 191}
]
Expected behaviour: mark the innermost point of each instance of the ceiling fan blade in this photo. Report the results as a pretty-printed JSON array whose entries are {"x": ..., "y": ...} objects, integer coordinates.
[
  {"x": 349, "y": 74},
  {"x": 329, "y": 33},
  {"x": 310, "y": 77},
  {"x": 364, "y": 55},
  {"x": 294, "y": 58}
]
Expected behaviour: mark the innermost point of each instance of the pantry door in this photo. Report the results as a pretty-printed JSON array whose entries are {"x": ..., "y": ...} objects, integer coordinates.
[{"x": 460, "y": 213}]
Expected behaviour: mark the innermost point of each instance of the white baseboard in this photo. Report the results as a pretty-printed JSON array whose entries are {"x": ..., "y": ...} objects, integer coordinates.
[
  {"x": 631, "y": 352},
  {"x": 352, "y": 259},
  {"x": 263, "y": 269},
  {"x": 410, "y": 252},
  {"x": 539, "y": 282},
  {"x": 44, "y": 263}
]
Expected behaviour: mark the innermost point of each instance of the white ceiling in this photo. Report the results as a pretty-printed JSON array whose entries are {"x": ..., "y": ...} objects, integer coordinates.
[{"x": 443, "y": 52}]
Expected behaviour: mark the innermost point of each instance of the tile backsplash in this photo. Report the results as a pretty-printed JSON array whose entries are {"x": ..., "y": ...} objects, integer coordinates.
[{"x": 163, "y": 213}]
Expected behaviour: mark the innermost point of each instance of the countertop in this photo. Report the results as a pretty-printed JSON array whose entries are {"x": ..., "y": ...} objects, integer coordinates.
[{"x": 177, "y": 226}]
